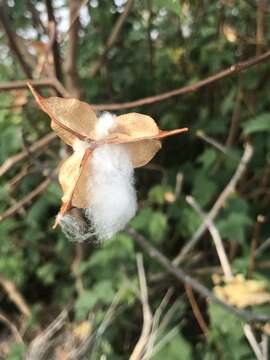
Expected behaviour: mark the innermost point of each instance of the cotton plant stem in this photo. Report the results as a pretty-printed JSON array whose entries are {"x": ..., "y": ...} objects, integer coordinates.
[
  {"x": 183, "y": 277},
  {"x": 253, "y": 342},
  {"x": 224, "y": 261},
  {"x": 228, "y": 190},
  {"x": 226, "y": 267},
  {"x": 15, "y": 296},
  {"x": 37, "y": 146},
  {"x": 54, "y": 83},
  {"x": 26, "y": 200},
  {"x": 140, "y": 346}
]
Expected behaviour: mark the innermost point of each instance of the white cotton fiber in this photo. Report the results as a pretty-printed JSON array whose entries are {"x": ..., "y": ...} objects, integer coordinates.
[
  {"x": 112, "y": 197},
  {"x": 105, "y": 125}
]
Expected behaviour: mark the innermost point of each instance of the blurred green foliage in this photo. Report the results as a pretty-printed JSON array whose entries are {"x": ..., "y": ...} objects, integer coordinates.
[{"x": 163, "y": 45}]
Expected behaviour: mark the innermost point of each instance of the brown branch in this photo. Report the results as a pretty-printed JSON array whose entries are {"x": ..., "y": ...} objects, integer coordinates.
[
  {"x": 26, "y": 200},
  {"x": 41, "y": 343},
  {"x": 113, "y": 38},
  {"x": 183, "y": 277},
  {"x": 48, "y": 82},
  {"x": 10, "y": 162},
  {"x": 11, "y": 36},
  {"x": 234, "y": 69},
  {"x": 15, "y": 295},
  {"x": 55, "y": 48},
  {"x": 196, "y": 310},
  {"x": 70, "y": 67},
  {"x": 35, "y": 16},
  {"x": 13, "y": 329}
]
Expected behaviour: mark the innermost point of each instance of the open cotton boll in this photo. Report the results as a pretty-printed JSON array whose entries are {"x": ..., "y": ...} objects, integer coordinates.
[{"x": 112, "y": 196}]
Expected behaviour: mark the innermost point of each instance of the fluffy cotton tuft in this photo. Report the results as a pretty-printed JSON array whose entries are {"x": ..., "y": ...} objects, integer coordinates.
[
  {"x": 106, "y": 123},
  {"x": 112, "y": 196},
  {"x": 111, "y": 191}
]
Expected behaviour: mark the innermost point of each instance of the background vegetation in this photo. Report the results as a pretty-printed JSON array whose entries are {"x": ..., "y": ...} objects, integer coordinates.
[{"x": 115, "y": 52}]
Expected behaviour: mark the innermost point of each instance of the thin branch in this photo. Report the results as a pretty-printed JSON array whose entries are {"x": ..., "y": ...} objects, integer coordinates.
[
  {"x": 183, "y": 277},
  {"x": 196, "y": 310},
  {"x": 140, "y": 347},
  {"x": 75, "y": 16},
  {"x": 71, "y": 73},
  {"x": 55, "y": 48},
  {"x": 13, "y": 329},
  {"x": 225, "y": 264},
  {"x": 229, "y": 189},
  {"x": 48, "y": 82},
  {"x": 40, "y": 344},
  {"x": 11, "y": 36},
  {"x": 26, "y": 200},
  {"x": 253, "y": 342},
  {"x": 262, "y": 247},
  {"x": 113, "y": 37},
  {"x": 15, "y": 296},
  {"x": 236, "y": 68},
  {"x": 35, "y": 16},
  {"x": 38, "y": 145},
  {"x": 215, "y": 144}
]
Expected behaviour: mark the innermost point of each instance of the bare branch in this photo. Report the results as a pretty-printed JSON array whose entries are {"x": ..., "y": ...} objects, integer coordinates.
[
  {"x": 225, "y": 264},
  {"x": 26, "y": 200},
  {"x": 15, "y": 296},
  {"x": 38, "y": 145},
  {"x": 253, "y": 342},
  {"x": 48, "y": 82},
  {"x": 41, "y": 344},
  {"x": 196, "y": 310},
  {"x": 15, "y": 332},
  {"x": 11, "y": 36},
  {"x": 230, "y": 188},
  {"x": 113, "y": 37},
  {"x": 236, "y": 68},
  {"x": 55, "y": 48},
  {"x": 183, "y": 277},
  {"x": 140, "y": 347},
  {"x": 71, "y": 73}
]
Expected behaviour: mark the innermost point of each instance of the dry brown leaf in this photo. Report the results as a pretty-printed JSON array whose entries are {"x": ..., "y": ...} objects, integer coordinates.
[
  {"x": 83, "y": 330},
  {"x": 75, "y": 120},
  {"x": 242, "y": 292}
]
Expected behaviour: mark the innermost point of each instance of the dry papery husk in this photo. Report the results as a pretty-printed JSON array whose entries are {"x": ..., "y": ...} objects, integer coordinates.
[
  {"x": 242, "y": 292},
  {"x": 74, "y": 120}
]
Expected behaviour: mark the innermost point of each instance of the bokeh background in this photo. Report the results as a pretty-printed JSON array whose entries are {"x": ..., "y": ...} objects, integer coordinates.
[{"x": 114, "y": 52}]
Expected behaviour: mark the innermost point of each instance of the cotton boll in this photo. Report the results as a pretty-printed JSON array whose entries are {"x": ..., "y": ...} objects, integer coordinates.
[
  {"x": 73, "y": 230},
  {"x": 106, "y": 123},
  {"x": 112, "y": 196}
]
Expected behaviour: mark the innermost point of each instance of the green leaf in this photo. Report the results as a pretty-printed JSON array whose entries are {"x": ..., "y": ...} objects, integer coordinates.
[
  {"x": 47, "y": 273},
  {"x": 170, "y": 5},
  {"x": 176, "y": 349},
  {"x": 157, "y": 226},
  {"x": 84, "y": 304},
  {"x": 234, "y": 226},
  {"x": 156, "y": 194},
  {"x": 260, "y": 123}
]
